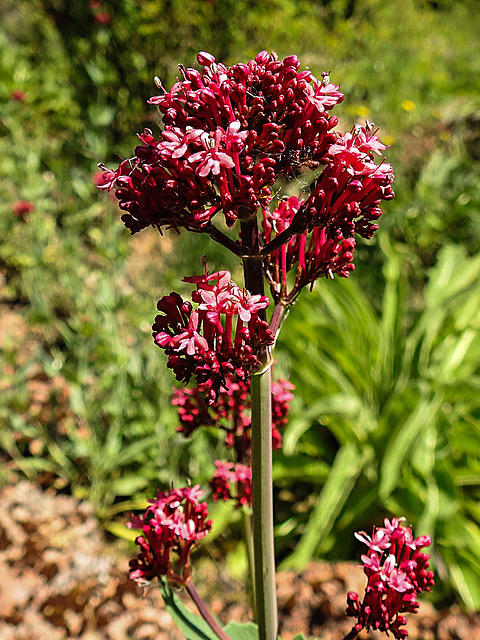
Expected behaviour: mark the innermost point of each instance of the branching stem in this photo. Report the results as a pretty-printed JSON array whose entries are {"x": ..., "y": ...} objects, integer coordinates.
[
  {"x": 351, "y": 635},
  {"x": 205, "y": 613}
]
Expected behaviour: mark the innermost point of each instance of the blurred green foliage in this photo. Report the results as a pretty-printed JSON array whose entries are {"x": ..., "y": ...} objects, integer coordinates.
[{"x": 386, "y": 418}]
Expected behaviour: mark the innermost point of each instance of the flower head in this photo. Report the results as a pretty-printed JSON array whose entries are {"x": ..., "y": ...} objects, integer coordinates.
[
  {"x": 171, "y": 527},
  {"x": 229, "y": 134},
  {"x": 18, "y": 95},
  {"x": 221, "y": 337},
  {"x": 397, "y": 571}
]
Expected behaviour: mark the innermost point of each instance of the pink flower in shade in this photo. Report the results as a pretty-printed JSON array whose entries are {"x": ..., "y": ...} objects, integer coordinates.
[
  {"x": 99, "y": 16},
  {"x": 18, "y": 96},
  {"x": 308, "y": 255},
  {"x": 231, "y": 412},
  {"x": 229, "y": 134},
  {"x": 103, "y": 18},
  {"x": 397, "y": 571},
  {"x": 171, "y": 527},
  {"x": 222, "y": 336},
  {"x": 229, "y": 475},
  {"x": 22, "y": 207}
]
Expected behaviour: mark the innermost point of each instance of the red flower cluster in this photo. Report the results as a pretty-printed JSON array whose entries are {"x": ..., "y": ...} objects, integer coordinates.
[
  {"x": 22, "y": 207},
  {"x": 346, "y": 196},
  {"x": 221, "y": 337},
  {"x": 173, "y": 524},
  {"x": 230, "y": 132},
  {"x": 228, "y": 474},
  {"x": 397, "y": 572},
  {"x": 231, "y": 412},
  {"x": 310, "y": 255},
  {"x": 18, "y": 95},
  {"x": 99, "y": 15}
]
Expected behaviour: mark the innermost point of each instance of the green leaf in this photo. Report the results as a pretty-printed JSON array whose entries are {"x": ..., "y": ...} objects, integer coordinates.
[
  {"x": 345, "y": 469},
  {"x": 246, "y": 631},
  {"x": 190, "y": 624},
  {"x": 128, "y": 484},
  {"x": 121, "y": 531},
  {"x": 465, "y": 578},
  {"x": 402, "y": 442}
]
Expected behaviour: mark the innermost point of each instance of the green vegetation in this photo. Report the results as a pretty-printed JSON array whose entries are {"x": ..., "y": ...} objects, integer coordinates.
[{"x": 387, "y": 364}]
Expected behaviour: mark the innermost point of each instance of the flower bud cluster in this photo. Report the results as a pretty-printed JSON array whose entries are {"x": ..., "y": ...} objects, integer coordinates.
[
  {"x": 397, "y": 571},
  {"x": 228, "y": 475},
  {"x": 221, "y": 336},
  {"x": 171, "y": 526},
  {"x": 347, "y": 194},
  {"x": 309, "y": 255},
  {"x": 229, "y": 134}
]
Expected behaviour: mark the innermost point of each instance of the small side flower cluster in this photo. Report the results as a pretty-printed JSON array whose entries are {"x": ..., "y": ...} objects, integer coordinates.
[
  {"x": 397, "y": 572},
  {"x": 231, "y": 412},
  {"x": 347, "y": 194},
  {"x": 309, "y": 255},
  {"x": 173, "y": 524},
  {"x": 344, "y": 200},
  {"x": 228, "y": 475},
  {"x": 221, "y": 337}
]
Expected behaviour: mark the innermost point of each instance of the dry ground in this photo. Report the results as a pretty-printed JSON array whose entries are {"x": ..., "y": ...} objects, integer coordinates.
[{"x": 59, "y": 579}]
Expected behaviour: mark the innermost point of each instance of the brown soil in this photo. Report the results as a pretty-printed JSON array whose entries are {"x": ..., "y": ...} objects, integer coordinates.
[{"x": 59, "y": 579}]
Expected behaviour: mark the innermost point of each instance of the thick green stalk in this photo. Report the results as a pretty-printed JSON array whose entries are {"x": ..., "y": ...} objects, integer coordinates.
[
  {"x": 262, "y": 494},
  {"x": 262, "y": 491},
  {"x": 248, "y": 539}
]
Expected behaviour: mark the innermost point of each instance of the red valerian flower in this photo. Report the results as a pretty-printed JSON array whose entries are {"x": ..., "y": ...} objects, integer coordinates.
[
  {"x": 172, "y": 525},
  {"x": 397, "y": 571},
  {"x": 231, "y": 412},
  {"x": 222, "y": 336},
  {"x": 103, "y": 18},
  {"x": 18, "y": 96},
  {"x": 229, "y": 134},
  {"x": 309, "y": 255},
  {"x": 229, "y": 475},
  {"x": 22, "y": 207}
]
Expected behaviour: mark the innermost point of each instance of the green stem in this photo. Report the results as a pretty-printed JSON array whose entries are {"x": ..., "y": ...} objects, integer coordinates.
[
  {"x": 247, "y": 536},
  {"x": 262, "y": 489},
  {"x": 205, "y": 613},
  {"x": 262, "y": 502}
]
